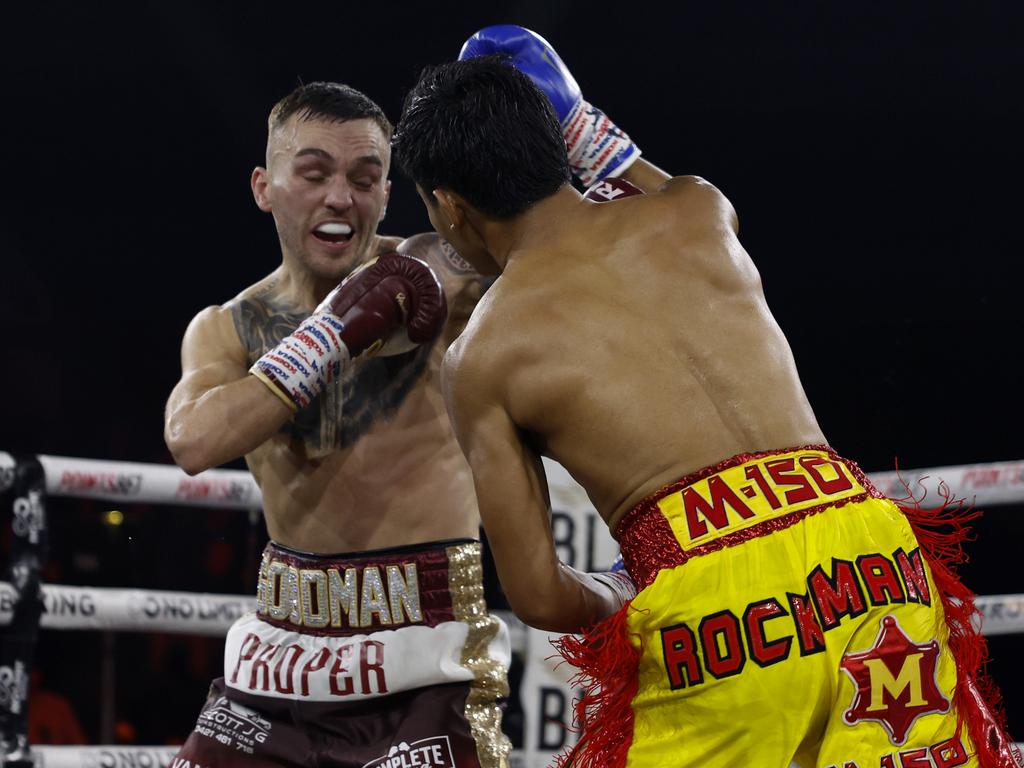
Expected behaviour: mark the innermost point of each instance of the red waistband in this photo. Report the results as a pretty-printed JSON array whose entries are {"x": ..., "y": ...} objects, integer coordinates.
[
  {"x": 793, "y": 488},
  {"x": 359, "y": 592}
]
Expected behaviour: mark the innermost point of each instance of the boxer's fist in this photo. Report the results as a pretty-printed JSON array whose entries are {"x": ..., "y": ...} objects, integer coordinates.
[
  {"x": 393, "y": 295},
  {"x": 596, "y": 147},
  {"x": 620, "y": 585},
  {"x": 390, "y": 294}
]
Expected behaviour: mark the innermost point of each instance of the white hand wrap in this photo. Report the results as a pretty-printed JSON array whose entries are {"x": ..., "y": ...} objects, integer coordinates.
[
  {"x": 619, "y": 582},
  {"x": 597, "y": 147},
  {"x": 299, "y": 368}
]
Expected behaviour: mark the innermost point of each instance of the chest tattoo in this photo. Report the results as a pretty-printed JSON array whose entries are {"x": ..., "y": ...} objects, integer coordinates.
[{"x": 370, "y": 391}]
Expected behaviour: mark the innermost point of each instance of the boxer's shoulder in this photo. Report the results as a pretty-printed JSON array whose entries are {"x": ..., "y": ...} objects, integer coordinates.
[
  {"x": 262, "y": 314},
  {"x": 387, "y": 244},
  {"x": 463, "y": 285},
  {"x": 683, "y": 203},
  {"x": 695, "y": 190},
  {"x": 267, "y": 289},
  {"x": 222, "y": 325},
  {"x": 438, "y": 253},
  {"x": 487, "y": 342},
  {"x": 211, "y": 337}
]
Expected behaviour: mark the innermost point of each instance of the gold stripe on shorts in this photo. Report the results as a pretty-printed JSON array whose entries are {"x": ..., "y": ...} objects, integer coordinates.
[{"x": 465, "y": 583}]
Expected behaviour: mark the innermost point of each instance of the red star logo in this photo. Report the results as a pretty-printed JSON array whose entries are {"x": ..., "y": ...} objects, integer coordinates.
[{"x": 894, "y": 681}]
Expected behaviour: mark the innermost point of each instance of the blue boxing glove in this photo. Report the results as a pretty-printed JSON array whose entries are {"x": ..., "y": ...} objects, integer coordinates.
[{"x": 597, "y": 148}]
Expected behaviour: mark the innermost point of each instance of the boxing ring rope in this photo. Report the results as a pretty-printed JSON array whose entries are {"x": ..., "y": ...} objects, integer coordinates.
[
  {"x": 981, "y": 484},
  {"x": 197, "y": 613},
  {"x": 61, "y": 607}
]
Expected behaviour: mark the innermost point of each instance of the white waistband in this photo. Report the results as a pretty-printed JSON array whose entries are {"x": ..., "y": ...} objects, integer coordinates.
[{"x": 265, "y": 660}]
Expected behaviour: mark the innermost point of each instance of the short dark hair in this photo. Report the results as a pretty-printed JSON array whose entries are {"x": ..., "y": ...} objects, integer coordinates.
[
  {"x": 333, "y": 102},
  {"x": 481, "y": 128}
]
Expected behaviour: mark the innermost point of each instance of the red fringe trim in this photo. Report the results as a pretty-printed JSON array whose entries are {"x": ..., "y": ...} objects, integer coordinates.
[
  {"x": 607, "y": 665},
  {"x": 941, "y": 532}
]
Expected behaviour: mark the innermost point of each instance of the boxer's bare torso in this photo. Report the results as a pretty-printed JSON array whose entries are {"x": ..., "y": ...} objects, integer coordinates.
[
  {"x": 634, "y": 344},
  {"x": 392, "y": 472}
]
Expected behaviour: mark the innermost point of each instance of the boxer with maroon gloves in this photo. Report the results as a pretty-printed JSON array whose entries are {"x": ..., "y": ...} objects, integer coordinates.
[{"x": 371, "y": 643}]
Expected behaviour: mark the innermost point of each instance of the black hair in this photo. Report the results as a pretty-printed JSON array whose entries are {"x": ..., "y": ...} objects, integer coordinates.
[
  {"x": 333, "y": 102},
  {"x": 481, "y": 128}
]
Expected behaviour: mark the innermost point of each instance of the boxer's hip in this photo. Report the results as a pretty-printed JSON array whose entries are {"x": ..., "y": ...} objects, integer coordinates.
[
  {"x": 753, "y": 563},
  {"x": 354, "y": 626},
  {"x": 746, "y": 497}
]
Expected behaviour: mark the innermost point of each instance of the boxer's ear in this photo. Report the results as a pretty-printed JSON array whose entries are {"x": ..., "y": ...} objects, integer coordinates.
[{"x": 452, "y": 206}]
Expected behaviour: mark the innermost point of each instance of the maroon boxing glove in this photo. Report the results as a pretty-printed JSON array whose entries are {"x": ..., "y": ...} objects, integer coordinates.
[
  {"x": 392, "y": 291},
  {"x": 392, "y": 294}
]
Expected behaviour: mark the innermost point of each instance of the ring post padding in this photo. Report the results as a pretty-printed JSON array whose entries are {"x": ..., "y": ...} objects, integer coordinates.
[{"x": 22, "y": 491}]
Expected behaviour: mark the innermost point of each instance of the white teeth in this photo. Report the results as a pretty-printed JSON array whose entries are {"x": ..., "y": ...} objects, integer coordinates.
[{"x": 335, "y": 229}]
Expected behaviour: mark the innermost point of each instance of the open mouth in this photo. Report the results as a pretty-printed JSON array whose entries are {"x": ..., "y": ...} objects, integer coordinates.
[{"x": 333, "y": 232}]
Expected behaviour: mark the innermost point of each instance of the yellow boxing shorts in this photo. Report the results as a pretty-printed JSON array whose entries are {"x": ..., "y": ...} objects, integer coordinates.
[{"x": 787, "y": 613}]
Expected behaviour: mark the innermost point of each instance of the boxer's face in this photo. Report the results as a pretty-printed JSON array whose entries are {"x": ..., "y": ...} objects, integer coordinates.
[{"x": 326, "y": 186}]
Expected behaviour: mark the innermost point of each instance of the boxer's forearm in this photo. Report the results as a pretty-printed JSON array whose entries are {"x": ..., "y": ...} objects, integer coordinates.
[
  {"x": 574, "y": 601},
  {"x": 222, "y": 423},
  {"x": 645, "y": 175}
]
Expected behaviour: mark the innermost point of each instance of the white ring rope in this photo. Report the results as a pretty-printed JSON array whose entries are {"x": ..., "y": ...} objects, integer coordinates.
[
  {"x": 112, "y": 756},
  {"x": 109, "y": 756},
  {"x": 132, "y": 610},
  {"x": 131, "y": 481},
  {"x": 199, "y": 613},
  {"x": 209, "y": 614},
  {"x": 980, "y": 484}
]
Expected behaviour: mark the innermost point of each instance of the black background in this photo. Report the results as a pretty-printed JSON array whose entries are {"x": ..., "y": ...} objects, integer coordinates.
[{"x": 872, "y": 150}]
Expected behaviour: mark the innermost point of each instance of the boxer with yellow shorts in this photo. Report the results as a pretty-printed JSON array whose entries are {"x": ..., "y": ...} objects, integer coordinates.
[{"x": 787, "y": 609}]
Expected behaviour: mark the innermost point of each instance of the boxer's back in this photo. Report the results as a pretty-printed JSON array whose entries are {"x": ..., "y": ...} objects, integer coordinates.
[{"x": 636, "y": 345}]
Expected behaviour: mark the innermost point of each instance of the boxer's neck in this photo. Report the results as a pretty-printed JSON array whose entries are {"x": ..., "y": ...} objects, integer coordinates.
[{"x": 504, "y": 238}]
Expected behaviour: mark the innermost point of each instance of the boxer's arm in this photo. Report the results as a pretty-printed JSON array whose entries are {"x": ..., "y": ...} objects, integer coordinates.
[
  {"x": 217, "y": 412},
  {"x": 645, "y": 175},
  {"x": 512, "y": 494}
]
